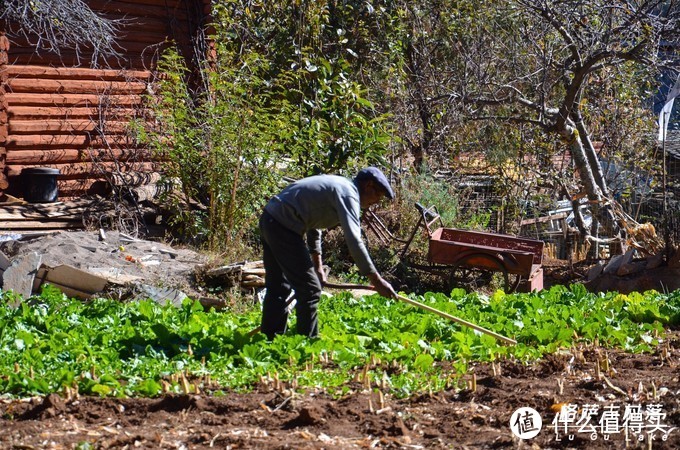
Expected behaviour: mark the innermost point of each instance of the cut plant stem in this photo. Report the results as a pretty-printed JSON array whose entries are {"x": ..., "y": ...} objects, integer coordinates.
[
  {"x": 615, "y": 388},
  {"x": 472, "y": 383},
  {"x": 367, "y": 379},
  {"x": 185, "y": 384}
]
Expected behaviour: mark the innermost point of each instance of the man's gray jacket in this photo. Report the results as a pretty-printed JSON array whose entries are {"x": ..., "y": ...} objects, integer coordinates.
[{"x": 320, "y": 202}]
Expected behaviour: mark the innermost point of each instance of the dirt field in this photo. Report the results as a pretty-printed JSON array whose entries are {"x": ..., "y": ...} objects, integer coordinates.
[{"x": 478, "y": 419}]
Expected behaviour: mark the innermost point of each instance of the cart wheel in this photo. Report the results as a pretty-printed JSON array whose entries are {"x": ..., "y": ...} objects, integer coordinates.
[{"x": 478, "y": 270}]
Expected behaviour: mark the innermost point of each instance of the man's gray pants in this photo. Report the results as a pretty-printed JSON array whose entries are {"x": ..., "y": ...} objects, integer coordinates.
[{"x": 288, "y": 265}]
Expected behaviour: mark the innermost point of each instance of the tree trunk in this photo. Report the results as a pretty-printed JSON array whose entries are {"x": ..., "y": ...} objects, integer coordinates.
[
  {"x": 590, "y": 172},
  {"x": 589, "y": 150}
]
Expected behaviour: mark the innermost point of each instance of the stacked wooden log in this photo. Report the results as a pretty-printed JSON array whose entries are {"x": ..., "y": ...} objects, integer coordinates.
[
  {"x": 248, "y": 275},
  {"x": 55, "y": 112},
  {"x": 75, "y": 120},
  {"x": 625, "y": 274},
  {"x": 4, "y": 128}
]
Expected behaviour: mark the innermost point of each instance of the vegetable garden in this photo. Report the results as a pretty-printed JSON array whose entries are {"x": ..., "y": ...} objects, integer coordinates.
[
  {"x": 528, "y": 100},
  {"x": 375, "y": 361}
]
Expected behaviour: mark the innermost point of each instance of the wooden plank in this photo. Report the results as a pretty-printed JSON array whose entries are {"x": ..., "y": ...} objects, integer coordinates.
[
  {"x": 65, "y": 141},
  {"x": 28, "y": 55},
  {"x": 66, "y": 125},
  {"x": 156, "y": 25},
  {"x": 69, "y": 183},
  {"x": 139, "y": 10},
  {"x": 51, "y": 126},
  {"x": 148, "y": 37},
  {"x": 172, "y": 4},
  {"x": 140, "y": 48},
  {"x": 543, "y": 219},
  {"x": 85, "y": 168},
  {"x": 83, "y": 100},
  {"x": 77, "y": 73},
  {"x": 27, "y": 214},
  {"x": 40, "y": 225},
  {"x": 24, "y": 112},
  {"x": 67, "y": 155},
  {"x": 88, "y": 184},
  {"x": 75, "y": 86},
  {"x": 63, "y": 210},
  {"x": 14, "y": 210}
]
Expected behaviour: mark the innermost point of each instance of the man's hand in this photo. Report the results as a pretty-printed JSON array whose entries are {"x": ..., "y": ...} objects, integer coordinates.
[
  {"x": 318, "y": 268},
  {"x": 381, "y": 286}
]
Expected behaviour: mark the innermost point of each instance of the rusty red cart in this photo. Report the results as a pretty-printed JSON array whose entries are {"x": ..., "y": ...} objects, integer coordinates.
[{"x": 471, "y": 259}]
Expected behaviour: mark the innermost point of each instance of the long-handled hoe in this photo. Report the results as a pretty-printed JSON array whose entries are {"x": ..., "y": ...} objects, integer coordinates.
[{"x": 405, "y": 299}]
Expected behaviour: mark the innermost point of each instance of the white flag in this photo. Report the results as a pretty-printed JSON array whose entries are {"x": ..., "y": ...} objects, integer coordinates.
[{"x": 665, "y": 113}]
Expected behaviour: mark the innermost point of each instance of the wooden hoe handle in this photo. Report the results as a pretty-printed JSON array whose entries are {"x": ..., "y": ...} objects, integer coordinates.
[{"x": 507, "y": 340}]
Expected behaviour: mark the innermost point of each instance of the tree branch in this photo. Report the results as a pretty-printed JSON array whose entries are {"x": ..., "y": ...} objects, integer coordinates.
[{"x": 55, "y": 25}]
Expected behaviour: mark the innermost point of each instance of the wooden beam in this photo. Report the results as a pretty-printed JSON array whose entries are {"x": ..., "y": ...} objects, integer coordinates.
[
  {"x": 14, "y": 141},
  {"x": 25, "y": 112},
  {"x": 28, "y": 55},
  {"x": 40, "y": 225},
  {"x": 86, "y": 168},
  {"x": 83, "y": 100},
  {"x": 543, "y": 219},
  {"x": 77, "y": 73},
  {"x": 66, "y": 126},
  {"x": 61, "y": 156},
  {"x": 139, "y": 10},
  {"x": 75, "y": 86},
  {"x": 171, "y": 4}
]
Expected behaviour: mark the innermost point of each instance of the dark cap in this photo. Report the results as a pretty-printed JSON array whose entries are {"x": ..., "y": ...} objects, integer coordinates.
[{"x": 375, "y": 174}]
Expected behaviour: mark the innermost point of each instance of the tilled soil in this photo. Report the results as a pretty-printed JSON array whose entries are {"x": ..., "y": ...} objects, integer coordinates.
[{"x": 477, "y": 417}]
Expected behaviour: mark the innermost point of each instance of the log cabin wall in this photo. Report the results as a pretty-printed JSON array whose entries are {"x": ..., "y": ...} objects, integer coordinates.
[{"x": 56, "y": 111}]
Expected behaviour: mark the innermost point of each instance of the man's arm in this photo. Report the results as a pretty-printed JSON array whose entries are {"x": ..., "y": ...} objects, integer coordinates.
[
  {"x": 314, "y": 246},
  {"x": 349, "y": 215},
  {"x": 318, "y": 267}
]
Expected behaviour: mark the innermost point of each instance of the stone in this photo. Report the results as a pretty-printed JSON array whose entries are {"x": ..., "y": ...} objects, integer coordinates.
[{"x": 20, "y": 274}]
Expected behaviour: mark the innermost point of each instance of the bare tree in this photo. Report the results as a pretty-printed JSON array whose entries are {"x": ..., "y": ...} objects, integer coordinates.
[
  {"x": 56, "y": 25},
  {"x": 534, "y": 63}
]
